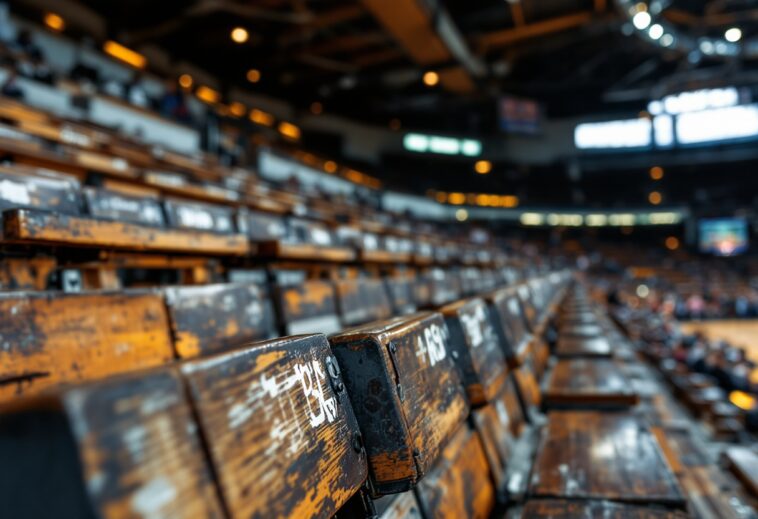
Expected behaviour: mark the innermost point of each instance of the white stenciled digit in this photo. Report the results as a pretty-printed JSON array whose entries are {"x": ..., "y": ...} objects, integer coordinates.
[
  {"x": 435, "y": 343},
  {"x": 473, "y": 325},
  {"x": 311, "y": 377}
]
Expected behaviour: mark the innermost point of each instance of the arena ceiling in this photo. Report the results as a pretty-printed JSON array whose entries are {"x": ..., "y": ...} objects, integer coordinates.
[{"x": 366, "y": 58}]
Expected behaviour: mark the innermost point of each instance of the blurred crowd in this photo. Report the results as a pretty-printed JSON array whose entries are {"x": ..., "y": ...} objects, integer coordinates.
[
  {"x": 659, "y": 329},
  {"x": 23, "y": 58}
]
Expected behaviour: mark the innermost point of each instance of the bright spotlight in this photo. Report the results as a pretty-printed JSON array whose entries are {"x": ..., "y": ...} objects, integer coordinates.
[
  {"x": 655, "y": 31},
  {"x": 733, "y": 35},
  {"x": 641, "y": 20}
]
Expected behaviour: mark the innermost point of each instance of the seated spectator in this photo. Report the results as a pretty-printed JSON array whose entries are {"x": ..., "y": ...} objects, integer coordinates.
[
  {"x": 173, "y": 104},
  {"x": 11, "y": 87},
  {"x": 135, "y": 92},
  {"x": 25, "y": 44},
  {"x": 36, "y": 68}
]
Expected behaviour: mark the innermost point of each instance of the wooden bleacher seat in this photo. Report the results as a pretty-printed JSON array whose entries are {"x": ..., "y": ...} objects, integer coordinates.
[
  {"x": 54, "y": 338},
  {"x": 587, "y": 347},
  {"x": 400, "y": 288},
  {"x": 207, "y": 319},
  {"x": 22, "y": 187},
  {"x": 459, "y": 484},
  {"x": 422, "y": 291},
  {"x": 374, "y": 248},
  {"x": 306, "y": 240},
  {"x": 117, "y": 206},
  {"x": 37, "y": 227},
  {"x": 444, "y": 286},
  {"x": 260, "y": 226},
  {"x": 279, "y": 427},
  {"x": 581, "y": 330},
  {"x": 182, "y": 214},
  {"x": 588, "y": 384},
  {"x": 124, "y": 447},
  {"x": 594, "y": 455},
  {"x": 476, "y": 349},
  {"x": 362, "y": 300},
  {"x": 500, "y": 424},
  {"x": 406, "y": 393},
  {"x": 510, "y": 324},
  {"x": 423, "y": 253},
  {"x": 529, "y": 307},
  {"x": 307, "y": 307},
  {"x": 743, "y": 462},
  {"x": 568, "y": 509}
]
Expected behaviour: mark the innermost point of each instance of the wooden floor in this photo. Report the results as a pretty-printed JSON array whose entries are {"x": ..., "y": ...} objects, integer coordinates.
[{"x": 739, "y": 332}]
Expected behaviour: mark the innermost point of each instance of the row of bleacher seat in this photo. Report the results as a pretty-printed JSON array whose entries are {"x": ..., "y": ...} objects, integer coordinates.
[
  {"x": 46, "y": 207},
  {"x": 140, "y": 324},
  {"x": 297, "y": 373},
  {"x": 437, "y": 413},
  {"x": 99, "y": 179}
]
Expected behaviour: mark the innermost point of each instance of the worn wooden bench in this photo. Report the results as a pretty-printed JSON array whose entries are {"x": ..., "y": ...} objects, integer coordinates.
[
  {"x": 743, "y": 462},
  {"x": 24, "y": 187},
  {"x": 588, "y": 383},
  {"x": 500, "y": 424},
  {"x": 594, "y": 455},
  {"x": 710, "y": 491},
  {"x": 476, "y": 349},
  {"x": 459, "y": 484},
  {"x": 307, "y": 307},
  {"x": 54, "y": 338},
  {"x": 118, "y": 206},
  {"x": 306, "y": 240},
  {"x": 444, "y": 286},
  {"x": 210, "y": 318},
  {"x": 510, "y": 324},
  {"x": 125, "y": 447},
  {"x": 362, "y": 300},
  {"x": 198, "y": 216},
  {"x": 279, "y": 427},
  {"x": 400, "y": 290},
  {"x": 588, "y": 347},
  {"x": 36, "y": 227},
  {"x": 406, "y": 393}
]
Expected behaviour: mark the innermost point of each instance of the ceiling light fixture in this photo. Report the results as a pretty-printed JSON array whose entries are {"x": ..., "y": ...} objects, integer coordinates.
[
  {"x": 733, "y": 35},
  {"x": 239, "y": 35},
  {"x": 655, "y": 31},
  {"x": 431, "y": 78},
  {"x": 641, "y": 20},
  {"x": 253, "y": 75}
]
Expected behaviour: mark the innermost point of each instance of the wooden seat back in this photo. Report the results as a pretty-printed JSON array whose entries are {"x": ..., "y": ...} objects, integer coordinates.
[
  {"x": 207, "y": 319},
  {"x": 280, "y": 430},
  {"x": 54, "y": 338},
  {"x": 476, "y": 347},
  {"x": 406, "y": 393}
]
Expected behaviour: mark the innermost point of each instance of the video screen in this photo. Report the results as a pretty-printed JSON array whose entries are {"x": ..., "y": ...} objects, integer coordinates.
[{"x": 723, "y": 236}]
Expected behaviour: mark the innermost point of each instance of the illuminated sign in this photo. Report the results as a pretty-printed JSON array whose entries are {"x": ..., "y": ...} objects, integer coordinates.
[
  {"x": 630, "y": 133},
  {"x": 689, "y": 118},
  {"x": 421, "y": 143},
  {"x": 695, "y": 101}
]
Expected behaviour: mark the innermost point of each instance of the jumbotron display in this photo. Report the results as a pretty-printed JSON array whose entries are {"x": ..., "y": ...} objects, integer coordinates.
[{"x": 723, "y": 236}]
